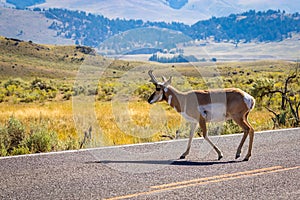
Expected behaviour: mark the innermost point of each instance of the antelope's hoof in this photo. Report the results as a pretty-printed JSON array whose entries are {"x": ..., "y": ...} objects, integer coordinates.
[
  {"x": 220, "y": 157},
  {"x": 237, "y": 156},
  {"x": 182, "y": 157},
  {"x": 246, "y": 159}
]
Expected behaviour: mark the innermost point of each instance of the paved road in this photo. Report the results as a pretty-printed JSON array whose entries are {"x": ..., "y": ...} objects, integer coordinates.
[{"x": 151, "y": 171}]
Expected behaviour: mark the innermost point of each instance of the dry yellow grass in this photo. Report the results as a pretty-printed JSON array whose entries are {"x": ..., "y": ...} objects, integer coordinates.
[
  {"x": 127, "y": 123},
  {"x": 116, "y": 122},
  {"x": 56, "y": 115}
]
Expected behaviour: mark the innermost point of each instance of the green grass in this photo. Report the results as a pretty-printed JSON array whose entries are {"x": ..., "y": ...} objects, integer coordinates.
[{"x": 37, "y": 84}]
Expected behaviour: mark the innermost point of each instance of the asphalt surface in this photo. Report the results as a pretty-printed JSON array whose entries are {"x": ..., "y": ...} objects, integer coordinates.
[{"x": 152, "y": 171}]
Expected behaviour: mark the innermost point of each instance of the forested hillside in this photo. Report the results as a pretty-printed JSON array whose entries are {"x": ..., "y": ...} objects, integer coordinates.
[
  {"x": 261, "y": 26},
  {"x": 91, "y": 30}
]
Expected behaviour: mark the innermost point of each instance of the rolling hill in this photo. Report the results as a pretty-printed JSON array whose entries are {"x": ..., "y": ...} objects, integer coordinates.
[
  {"x": 62, "y": 26},
  {"x": 28, "y": 25},
  {"x": 27, "y": 60},
  {"x": 93, "y": 30},
  {"x": 186, "y": 11}
]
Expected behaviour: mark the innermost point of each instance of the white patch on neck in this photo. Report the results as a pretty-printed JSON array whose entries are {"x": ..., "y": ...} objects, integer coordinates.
[
  {"x": 169, "y": 99},
  {"x": 166, "y": 89}
]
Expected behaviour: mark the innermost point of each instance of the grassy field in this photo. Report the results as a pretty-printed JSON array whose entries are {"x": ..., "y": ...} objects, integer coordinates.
[{"x": 51, "y": 95}]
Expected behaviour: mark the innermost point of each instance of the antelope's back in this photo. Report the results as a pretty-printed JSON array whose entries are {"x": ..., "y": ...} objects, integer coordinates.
[{"x": 231, "y": 96}]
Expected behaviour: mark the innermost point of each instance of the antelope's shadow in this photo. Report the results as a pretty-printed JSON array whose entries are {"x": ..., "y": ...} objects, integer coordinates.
[{"x": 166, "y": 162}]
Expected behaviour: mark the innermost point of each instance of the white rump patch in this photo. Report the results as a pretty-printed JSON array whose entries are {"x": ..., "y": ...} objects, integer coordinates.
[
  {"x": 249, "y": 100},
  {"x": 215, "y": 112}
]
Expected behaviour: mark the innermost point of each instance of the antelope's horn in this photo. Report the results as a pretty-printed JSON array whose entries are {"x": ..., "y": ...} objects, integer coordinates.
[{"x": 153, "y": 79}]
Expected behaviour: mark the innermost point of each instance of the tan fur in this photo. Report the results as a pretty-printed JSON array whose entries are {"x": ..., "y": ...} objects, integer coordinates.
[{"x": 201, "y": 106}]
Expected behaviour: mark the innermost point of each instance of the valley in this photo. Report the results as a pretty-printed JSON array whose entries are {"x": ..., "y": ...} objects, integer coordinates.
[
  {"x": 49, "y": 92},
  {"x": 72, "y": 79}
]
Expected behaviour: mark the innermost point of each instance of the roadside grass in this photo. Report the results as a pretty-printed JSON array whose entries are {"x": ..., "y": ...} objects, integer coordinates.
[
  {"x": 56, "y": 116},
  {"x": 135, "y": 121},
  {"x": 145, "y": 123},
  {"x": 37, "y": 88}
]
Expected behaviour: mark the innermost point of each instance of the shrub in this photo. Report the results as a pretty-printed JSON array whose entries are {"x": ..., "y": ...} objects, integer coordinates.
[
  {"x": 15, "y": 82},
  {"x": 71, "y": 143},
  {"x": 41, "y": 140},
  {"x": 16, "y": 91},
  {"x": 67, "y": 95},
  {"x": 15, "y": 141},
  {"x": 107, "y": 90},
  {"x": 11, "y": 136},
  {"x": 21, "y": 150},
  {"x": 2, "y": 94},
  {"x": 143, "y": 91},
  {"x": 4, "y": 141},
  {"x": 230, "y": 127},
  {"x": 3, "y": 150},
  {"x": 15, "y": 131},
  {"x": 77, "y": 90}
]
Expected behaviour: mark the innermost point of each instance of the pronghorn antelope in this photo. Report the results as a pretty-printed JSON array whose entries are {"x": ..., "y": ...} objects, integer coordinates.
[{"x": 201, "y": 106}]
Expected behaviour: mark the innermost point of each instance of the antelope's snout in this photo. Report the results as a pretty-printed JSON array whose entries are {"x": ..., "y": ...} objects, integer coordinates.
[
  {"x": 151, "y": 98},
  {"x": 155, "y": 97}
]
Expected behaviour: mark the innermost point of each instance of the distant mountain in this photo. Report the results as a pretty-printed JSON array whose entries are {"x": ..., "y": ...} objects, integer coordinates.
[
  {"x": 271, "y": 25},
  {"x": 64, "y": 26},
  {"x": 139, "y": 39},
  {"x": 93, "y": 30},
  {"x": 186, "y": 11},
  {"x": 28, "y": 25}
]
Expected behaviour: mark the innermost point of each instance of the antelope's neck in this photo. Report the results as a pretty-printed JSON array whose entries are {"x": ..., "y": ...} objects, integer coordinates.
[{"x": 174, "y": 98}]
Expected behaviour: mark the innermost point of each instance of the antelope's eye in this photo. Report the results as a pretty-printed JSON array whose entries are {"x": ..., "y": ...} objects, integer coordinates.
[{"x": 158, "y": 89}]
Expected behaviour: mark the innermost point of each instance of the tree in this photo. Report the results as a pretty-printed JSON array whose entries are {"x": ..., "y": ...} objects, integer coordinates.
[{"x": 290, "y": 102}]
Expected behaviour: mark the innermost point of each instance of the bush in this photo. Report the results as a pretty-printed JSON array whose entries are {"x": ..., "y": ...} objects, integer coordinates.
[
  {"x": 223, "y": 128},
  {"x": 21, "y": 150},
  {"x": 144, "y": 91},
  {"x": 16, "y": 133},
  {"x": 16, "y": 90},
  {"x": 231, "y": 127},
  {"x": 14, "y": 140},
  {"x": 107, "y": 90},
  {"x": 3, "y": 149},
  {"x": 2, "y": 94},
  {"x": 67, "y": 95},
  {"x": 11, "y": 136},
  {"x": 41, "y": 140},
  {"x": 4, "y": 141}
]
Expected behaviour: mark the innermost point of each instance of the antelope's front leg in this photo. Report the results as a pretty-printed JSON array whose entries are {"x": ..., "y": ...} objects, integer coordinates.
[{"x": 192, "y": 131}]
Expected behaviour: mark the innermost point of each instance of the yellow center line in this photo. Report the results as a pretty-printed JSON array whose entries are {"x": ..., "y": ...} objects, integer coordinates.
[
  {"x": 206, "y": 180},
  {"x": 215, "y": 177}
]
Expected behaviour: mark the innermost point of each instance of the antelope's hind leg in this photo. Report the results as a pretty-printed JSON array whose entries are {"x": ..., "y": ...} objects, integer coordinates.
[{"x": 248, "y": 130}]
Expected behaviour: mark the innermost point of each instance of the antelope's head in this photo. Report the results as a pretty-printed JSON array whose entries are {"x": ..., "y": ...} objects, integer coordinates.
[{"x": 160, "y": 88}]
